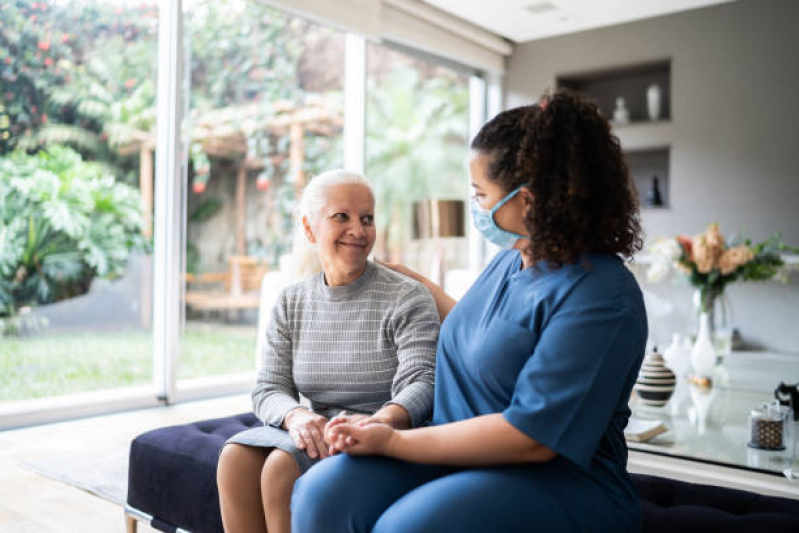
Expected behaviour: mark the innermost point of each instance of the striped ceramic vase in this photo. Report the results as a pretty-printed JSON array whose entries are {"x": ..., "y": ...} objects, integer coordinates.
[{"x": 656, "y": 382}]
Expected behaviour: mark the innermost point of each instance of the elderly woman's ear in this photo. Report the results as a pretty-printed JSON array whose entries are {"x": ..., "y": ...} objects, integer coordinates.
[{"x": 306, "y": 226}]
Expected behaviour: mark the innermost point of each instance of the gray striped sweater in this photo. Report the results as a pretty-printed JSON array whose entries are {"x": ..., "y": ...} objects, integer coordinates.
[{"x": 358, "y": 347}]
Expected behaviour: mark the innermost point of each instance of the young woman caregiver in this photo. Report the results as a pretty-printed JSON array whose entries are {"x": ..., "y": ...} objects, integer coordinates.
[{"x": 534, "y": 365}]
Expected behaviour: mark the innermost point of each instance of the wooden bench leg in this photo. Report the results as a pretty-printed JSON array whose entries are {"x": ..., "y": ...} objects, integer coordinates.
[{"x": 130, "y": 524}]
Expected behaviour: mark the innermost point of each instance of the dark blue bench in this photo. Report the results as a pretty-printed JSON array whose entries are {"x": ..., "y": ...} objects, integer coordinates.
[{"x": 172, "y": 485}]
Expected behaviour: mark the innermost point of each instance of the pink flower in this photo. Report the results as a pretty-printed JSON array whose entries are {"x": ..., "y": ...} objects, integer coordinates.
[
  {"x": 704, "y": 255},
  {"x": 732, "y": 258},
  {"x": 687, "y": 245}
]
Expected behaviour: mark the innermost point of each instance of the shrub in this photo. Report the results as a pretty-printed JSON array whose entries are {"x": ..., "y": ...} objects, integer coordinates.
[{"x": 63, "y": 221}]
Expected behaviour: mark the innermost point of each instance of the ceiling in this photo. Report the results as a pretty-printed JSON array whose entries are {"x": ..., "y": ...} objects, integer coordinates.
[{"x": 525, "y": 20}]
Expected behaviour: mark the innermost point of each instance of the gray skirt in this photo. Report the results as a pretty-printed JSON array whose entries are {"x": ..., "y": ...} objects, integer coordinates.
[{"x": 272, "y": 437}]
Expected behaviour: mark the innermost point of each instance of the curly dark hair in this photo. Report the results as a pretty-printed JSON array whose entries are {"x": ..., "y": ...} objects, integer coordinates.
[{"x": 562, "y": 149}]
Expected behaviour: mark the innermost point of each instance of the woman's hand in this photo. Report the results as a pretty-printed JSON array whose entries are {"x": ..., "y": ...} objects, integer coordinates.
[
  {"x": 307, "y": 430},
  {"x": 405, "y": 271},
  {"x": 444, "y": 302},
  {"x": 356, "y": 439},
  {"x": 342, "y": 418}
]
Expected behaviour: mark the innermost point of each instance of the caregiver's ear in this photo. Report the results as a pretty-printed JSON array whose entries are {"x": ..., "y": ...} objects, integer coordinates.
[
  {"x": 527, "y": 196},
  {"x": 306, "y": 226}
]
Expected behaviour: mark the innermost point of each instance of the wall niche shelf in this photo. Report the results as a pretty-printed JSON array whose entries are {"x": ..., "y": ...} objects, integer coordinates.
[
  {"x": 649, "y": 169},
  {"x": 642, "y": 89}
]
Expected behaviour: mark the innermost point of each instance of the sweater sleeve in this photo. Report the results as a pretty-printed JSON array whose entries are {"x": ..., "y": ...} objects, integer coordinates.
[
  {"x": 275, "y": 394},
  {"x": 415, "y": 325}
]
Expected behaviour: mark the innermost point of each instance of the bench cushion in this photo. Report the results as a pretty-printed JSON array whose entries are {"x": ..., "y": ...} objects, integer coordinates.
[
  {"x": 670, "y": 505},
  {"x": 172, "y": 477},
  {"x": 172, "y": 472}
]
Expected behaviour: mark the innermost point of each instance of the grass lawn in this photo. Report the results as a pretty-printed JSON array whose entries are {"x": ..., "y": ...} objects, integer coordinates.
[{"x": 80, "y": 362}]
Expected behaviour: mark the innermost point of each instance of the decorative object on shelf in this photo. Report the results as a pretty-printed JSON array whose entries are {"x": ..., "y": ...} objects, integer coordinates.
[
  {"x": 653, "y": 98},
  {"x": 678, "y": 356},
  {"x": 703, "y": 353},
  {"x": 770, "y": 427},
  {"x": 710, "y": 264},
  {"x": 653, "y": 197},
  {"x": 621, "y": 114},
  {"x": 656, "y": 381},
  {"x": 788, "y": 396}
]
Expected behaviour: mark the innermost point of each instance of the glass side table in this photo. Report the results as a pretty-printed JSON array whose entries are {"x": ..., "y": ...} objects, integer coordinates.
[{"x": 710, "y": 427}]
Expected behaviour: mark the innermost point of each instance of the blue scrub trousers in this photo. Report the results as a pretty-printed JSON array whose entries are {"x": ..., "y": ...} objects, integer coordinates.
[{"x": 362, "y": 494}]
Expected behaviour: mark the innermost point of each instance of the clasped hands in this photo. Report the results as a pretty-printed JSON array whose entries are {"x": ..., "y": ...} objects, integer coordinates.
[{"x": 356, "y": 434}]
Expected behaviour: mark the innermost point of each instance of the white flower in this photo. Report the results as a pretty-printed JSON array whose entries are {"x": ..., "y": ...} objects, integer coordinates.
[
  {"x": 658, "y": 270},
  {"x": 666, "y": 248},
  {"x": 664, "y": 254}
]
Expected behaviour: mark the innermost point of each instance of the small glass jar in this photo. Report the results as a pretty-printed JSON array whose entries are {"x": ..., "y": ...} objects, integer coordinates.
[{"x": 771, "y": 427}]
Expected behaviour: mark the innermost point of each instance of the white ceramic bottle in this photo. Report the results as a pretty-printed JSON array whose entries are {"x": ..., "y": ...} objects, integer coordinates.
[
  {"x": 703, "y": 354},
  {"x": 676, "y": 357}
]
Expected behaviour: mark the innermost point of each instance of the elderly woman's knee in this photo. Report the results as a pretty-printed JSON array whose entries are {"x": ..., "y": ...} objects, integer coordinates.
[
  {"x": 237, "y": 462},
  {"x": 280, "y": 468}
]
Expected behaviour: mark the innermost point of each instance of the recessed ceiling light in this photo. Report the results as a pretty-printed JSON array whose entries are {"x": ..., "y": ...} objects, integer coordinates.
[{"x": 541, "y": 7}]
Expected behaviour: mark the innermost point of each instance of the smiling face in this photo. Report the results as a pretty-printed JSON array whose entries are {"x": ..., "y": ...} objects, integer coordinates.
[{"x": 344, "y": 232}]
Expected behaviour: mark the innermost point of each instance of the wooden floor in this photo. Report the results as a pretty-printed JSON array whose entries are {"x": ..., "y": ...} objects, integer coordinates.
[{"x": 30, "y": 503}]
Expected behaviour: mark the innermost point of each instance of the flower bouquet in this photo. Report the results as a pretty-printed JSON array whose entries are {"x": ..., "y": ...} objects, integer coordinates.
[{"x": 710, "y": 263}]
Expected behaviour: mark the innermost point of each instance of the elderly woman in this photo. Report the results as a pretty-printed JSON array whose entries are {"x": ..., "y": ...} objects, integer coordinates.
[{"x": 357, "y": 339}]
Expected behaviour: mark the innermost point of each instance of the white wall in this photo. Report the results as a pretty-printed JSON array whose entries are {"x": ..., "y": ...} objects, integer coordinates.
[{"x": 733, "y": 134}]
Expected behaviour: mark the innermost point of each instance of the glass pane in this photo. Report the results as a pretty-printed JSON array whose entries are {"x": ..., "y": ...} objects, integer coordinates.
[
  {"x": 266, "y": 109},
  {"x": 417, "y": 134},
  {"x": 77, "y": 125}
]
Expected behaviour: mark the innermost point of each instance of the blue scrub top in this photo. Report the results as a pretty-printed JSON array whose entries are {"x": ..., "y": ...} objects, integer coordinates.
[{"x": 556, "y": 351}]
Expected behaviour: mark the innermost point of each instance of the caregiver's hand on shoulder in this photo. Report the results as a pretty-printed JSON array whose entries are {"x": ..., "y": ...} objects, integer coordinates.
[
  {"x": 370, "y": 439},
  {"x": 307, "y": 430},
  {"x": 402, "y": 269}
]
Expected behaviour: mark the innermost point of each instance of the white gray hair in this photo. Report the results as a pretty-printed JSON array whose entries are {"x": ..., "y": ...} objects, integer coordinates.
[{"x": 303, "y": 261}]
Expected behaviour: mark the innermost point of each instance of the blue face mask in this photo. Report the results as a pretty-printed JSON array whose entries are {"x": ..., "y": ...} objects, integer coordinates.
[{"x": 487, "y": 226}]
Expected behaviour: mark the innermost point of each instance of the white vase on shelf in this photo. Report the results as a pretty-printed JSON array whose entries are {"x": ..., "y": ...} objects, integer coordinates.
[
  {"x": 653, "y": 97},
  {"x": 703, "y": 354}
]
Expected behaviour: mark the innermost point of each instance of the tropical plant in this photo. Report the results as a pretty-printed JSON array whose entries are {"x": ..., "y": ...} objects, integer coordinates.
[
  {"x": 62, "y": 222},
  {"x": 417, "y": 128}
]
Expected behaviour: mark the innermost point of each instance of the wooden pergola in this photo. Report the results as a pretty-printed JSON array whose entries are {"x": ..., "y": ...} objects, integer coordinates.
[{"x": 224, "y": 133}]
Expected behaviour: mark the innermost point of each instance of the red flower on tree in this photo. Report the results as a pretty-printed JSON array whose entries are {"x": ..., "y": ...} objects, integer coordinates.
[
  {"x": 44, "y": 45},
  {"x": 48, "y": 62}
]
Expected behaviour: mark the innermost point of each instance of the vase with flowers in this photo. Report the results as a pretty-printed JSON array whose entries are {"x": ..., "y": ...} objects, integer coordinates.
[{"x": 710, "y": 263}]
